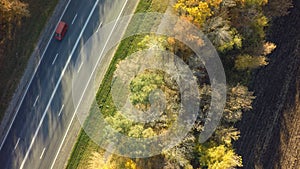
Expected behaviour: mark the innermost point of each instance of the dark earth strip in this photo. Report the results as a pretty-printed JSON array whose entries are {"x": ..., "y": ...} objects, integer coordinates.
[{"x": 270, "y": 133}]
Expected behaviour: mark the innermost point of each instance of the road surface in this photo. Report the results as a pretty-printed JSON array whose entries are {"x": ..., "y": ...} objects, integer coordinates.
[{"x": 44, "y": 116}]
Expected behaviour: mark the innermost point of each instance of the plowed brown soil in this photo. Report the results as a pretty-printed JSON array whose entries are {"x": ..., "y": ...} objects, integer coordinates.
[{"x": 270, "y": 133}]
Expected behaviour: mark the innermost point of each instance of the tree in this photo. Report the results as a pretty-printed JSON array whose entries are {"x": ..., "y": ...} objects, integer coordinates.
[
  {"x": 217, "y": 152},
  {"x": 221, "y": 34},
  {"x": 268, "y": 48},
  {"x": 249, "y": 20},
  {"x": 181, "y": 155},
  {"x": 243, "y": 62},
  {"x": 12, "y": 11},
  {"x": 119, "y": 123},
  {"x": 136, "y": 131},
  {"x": 256, "y": 2},
  {"x": 131, "y": 165},
  {"x": 99, "y": 161},
  {"x": 177, "y": 43},
  {"x": 239, "y": 99},
  {"x": 199, "y": 11},
  {"x": 153, "y": 42},
  {"x": 218, "y": 156},
  {"x": 142, "y": 85},
  {"x": 225, "y": 135},
  {"x": 228, "y": 24}
]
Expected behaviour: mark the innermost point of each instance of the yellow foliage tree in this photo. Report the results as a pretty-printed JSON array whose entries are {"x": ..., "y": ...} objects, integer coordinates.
[
  {"x": 219, "y": 157},
  {"x": 130, "y": 164},
  {"x": 197, "y": 9},
  {"x": 99, "y": 161},
  {"x": 268, "y": 48}
]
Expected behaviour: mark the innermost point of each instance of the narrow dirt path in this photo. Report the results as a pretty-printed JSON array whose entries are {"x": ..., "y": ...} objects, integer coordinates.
[{"x": 270, "y": 133}]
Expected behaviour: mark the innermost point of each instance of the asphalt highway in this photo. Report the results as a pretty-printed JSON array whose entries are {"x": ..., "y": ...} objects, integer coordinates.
[{"x": 44, "y": 116}]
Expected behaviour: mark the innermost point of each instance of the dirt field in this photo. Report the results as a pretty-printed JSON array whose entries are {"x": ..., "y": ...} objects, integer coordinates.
[{"x": 270, "y": 133}]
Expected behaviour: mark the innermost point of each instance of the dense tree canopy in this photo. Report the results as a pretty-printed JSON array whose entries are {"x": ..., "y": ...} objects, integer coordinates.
[
  {"x": 237, "y": 29},
  {"x": 233, "y": 25}
]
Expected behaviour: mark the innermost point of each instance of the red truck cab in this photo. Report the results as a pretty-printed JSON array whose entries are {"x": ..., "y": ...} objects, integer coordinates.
[{"x": 61, "y": 30}]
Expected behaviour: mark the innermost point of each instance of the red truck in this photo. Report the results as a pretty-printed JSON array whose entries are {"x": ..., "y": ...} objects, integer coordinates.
[{"x": 61, "y": 30}]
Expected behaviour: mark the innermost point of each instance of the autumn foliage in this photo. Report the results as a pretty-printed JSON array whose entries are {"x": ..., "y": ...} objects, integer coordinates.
[
  {"x": 12, "y": 11},
  {"x": 237, "y": 29}
]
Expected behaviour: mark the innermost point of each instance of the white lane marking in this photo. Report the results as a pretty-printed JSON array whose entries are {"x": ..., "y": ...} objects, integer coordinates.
[
  {"x": 74, "y": 19},
  {"x": 42, "y": 153},
  {"x": 36, "y": 99},
  {"x": 17, "y": 143},
  {"x": 99, "y": 26},
  {"x": 54, "y": 59},
  {"x": 23, "y": 97},
  {"x": 56, "y": 86},
  {"x": 79, "y": 67},
  {"x": 61, "y": 109},
  {"x": 60, "y": 146}
]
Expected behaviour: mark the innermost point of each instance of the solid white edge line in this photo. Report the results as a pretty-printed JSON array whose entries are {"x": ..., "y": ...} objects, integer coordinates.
[
  {"x": 43, "y": 152},
  {"x": 23, "y": 97},
  {"x": 17, "y": 143},
  {"x": 100, "y": 24},
  {"x": 60, "y": 146},
  {"x": 56, "y": 86},
  {"x": 54, "y": 59},
  {"x": 61, "y": 109},
  {"x": 74, "y": 19},
  {"x": 36, "y": 99},
  {"x": 80, "y": 67}
]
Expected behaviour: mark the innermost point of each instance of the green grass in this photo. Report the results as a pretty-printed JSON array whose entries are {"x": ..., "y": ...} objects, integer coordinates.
[
  {"x": 18, "y": 51},
  {"x": 84, "y": 145}
]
